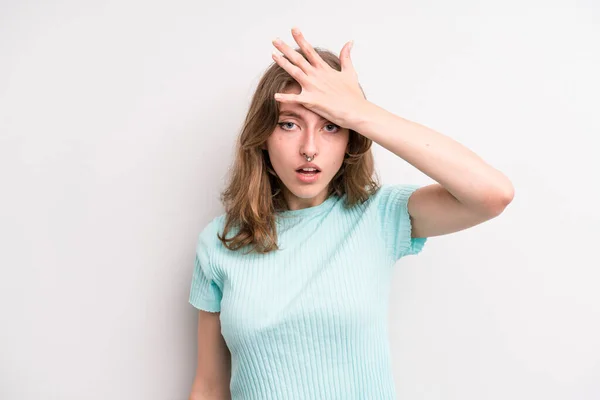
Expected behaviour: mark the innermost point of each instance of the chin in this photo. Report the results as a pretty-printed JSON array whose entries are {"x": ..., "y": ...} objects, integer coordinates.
[{"x": 307, "y": 191}]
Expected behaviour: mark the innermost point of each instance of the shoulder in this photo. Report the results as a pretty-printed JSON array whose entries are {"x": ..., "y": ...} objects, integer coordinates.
[
  {"x": 208, "y": 234},
  {"x": 380, "y": 197},
  {"x": 391, "y": 200},
  {"x": 390, "y": 190},
  {"x": 389, "y": 195},
  {"x": 208, "y": 243},
  {"x": 391, "y": 203}
]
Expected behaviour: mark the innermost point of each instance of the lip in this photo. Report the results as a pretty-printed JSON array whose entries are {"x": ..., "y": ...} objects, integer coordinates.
[
  {"x": 309, "y": 165},
  {"x": 307, "y": 178}
]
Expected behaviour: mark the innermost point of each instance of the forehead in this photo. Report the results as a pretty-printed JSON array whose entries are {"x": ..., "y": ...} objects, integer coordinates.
[
  {"x": 295, "y": 109},
  {"x": 293, "y": 88},
  {"x": 298, "y": 111}
]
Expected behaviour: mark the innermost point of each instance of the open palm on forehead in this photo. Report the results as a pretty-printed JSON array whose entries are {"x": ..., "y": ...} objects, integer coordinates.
[{"x": 335, "y": 95}]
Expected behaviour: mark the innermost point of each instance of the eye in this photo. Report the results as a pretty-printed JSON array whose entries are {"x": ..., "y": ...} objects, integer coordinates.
[
  {"x": 281, "y": 124},
  {"x": 335, "y": 127}
]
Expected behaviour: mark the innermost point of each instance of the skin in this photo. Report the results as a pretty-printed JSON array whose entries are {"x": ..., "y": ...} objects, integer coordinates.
[
  {"x": 311, "y": 134},
  {"x": 468, "y": 191},
  {"x": 213, "y": 371}
]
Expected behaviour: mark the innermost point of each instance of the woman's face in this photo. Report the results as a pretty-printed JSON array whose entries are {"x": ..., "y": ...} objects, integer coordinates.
[{"x": 299, "y": 131}]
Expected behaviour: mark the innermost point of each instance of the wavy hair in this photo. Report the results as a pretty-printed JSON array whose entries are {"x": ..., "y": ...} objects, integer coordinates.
[{"x": 253, "y": 194}]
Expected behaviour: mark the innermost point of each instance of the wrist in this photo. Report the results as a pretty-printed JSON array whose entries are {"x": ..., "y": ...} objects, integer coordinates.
[{"x": 362, "y": 115}]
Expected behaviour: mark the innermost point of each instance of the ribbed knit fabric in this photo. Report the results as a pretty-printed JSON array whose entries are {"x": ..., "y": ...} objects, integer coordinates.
[{"x": 309, "y": 321}]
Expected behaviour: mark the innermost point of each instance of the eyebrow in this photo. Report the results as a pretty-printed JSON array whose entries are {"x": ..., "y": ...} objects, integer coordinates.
[{"x": 296, "y": 115}]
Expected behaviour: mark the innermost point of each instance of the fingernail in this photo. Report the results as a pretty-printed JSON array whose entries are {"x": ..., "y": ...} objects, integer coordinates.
[
  {"x": 295, "y": 30},
  {"x": 277, "y": 40}
]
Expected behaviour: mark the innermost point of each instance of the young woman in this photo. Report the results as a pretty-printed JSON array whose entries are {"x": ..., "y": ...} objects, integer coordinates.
[{"x": 292, "y": 281}]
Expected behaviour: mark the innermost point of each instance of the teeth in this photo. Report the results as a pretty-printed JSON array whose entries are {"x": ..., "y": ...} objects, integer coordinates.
[{"x": 309, "y": 169}]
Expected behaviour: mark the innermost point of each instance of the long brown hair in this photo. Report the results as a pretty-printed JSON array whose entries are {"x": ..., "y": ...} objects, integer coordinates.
[{"x": 253, "y": 195}]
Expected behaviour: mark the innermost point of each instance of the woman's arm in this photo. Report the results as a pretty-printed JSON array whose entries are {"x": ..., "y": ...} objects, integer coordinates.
[
  {"x": 213, "y": 371},
  {"x": 469, "y": 192}
]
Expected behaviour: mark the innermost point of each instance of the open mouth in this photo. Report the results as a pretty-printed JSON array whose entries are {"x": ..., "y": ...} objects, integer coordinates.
[
  {"x": 308, "y": 171},
  {"x": 308, "y": 176}
]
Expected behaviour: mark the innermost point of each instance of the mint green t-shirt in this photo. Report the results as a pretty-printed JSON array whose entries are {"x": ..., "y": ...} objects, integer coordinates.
[{"x": 309, "y": 321}]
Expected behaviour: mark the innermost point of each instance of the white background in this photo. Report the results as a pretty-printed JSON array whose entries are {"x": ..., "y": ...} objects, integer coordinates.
[{"x": 118, "y": 122}]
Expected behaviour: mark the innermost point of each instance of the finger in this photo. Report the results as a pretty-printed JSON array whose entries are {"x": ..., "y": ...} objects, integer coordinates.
[
  {"x": 292, "y": 55},
  {"x": 294, "y": 71},
  {"x": 312, "y": 56},
  {"x": 345, "y": 59},
  {"x": 288, "y": 98}
]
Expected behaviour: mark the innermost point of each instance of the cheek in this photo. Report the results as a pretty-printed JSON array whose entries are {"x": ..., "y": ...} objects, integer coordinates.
[
  {"x": 279, "y": 154},
  {"x": 342, "y": 148},
  {"x": 280, "y": 147}
]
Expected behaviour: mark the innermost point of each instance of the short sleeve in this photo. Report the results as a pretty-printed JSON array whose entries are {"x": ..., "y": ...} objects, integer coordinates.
[
  {"x": 205, "y": 294},
  {"x": 395, "y": 222}
]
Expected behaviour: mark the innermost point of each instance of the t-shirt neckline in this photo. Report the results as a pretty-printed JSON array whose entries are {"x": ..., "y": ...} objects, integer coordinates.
[{"x": 309, "y": 211}]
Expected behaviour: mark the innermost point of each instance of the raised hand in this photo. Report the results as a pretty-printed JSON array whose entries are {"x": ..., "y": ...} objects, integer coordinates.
[{"x": 335, "y": 95}]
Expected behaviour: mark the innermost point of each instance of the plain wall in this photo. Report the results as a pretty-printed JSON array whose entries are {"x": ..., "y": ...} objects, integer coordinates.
[{"x": 117, "y": 126}]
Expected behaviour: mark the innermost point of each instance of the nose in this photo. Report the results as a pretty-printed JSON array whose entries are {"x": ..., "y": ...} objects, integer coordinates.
[{"x": 308, "y": 143}]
